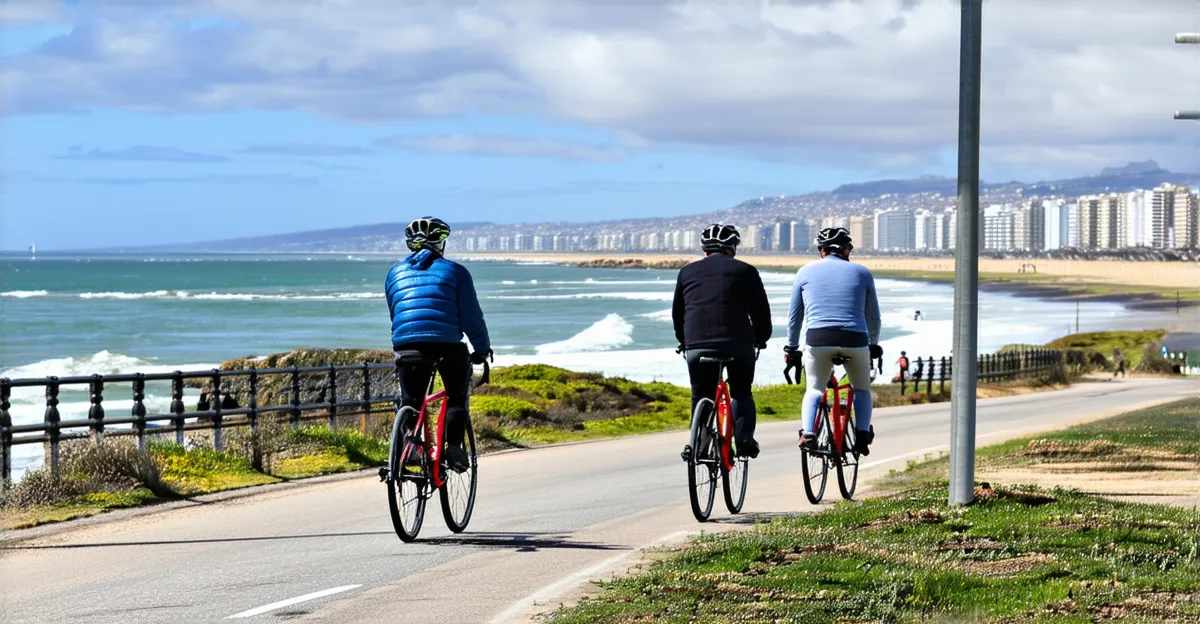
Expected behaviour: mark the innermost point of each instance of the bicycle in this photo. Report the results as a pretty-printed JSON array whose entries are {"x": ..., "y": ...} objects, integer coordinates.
[
  {"x": 415, "y": 467},
  {"x": 836, "y": 440},
  {"x": 711, "y": 449}
]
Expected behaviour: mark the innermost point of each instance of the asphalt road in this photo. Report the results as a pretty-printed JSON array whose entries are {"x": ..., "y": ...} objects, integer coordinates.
[{"x": 546, "y": 521}]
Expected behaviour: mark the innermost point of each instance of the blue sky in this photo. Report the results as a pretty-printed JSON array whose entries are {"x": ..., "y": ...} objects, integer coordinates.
[{"x": 212, "y": 118}]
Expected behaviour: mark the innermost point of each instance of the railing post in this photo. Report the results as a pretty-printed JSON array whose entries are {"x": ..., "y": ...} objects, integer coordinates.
[
  {"x": 177, "y": 405},
  {"x": 942, "y": 377},
  {"x": 139, "y": 410},
  {"x": 252, "y": 417},
  {"x": 929, "y": 377},
  {"x": 214, "y": 411},
  {"x": 5, "y": 432},
  {"x": 52, "y": 430},
  {"x": 96, "y": 411},
  {"x": 332, "y": 397},
  {"x": 366, "y": 400},
  {"x": 295, "y": 397}
]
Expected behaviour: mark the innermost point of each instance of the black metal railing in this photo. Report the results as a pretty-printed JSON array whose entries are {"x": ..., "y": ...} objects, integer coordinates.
[
  {"x": 229, "y": 398},
  {"x": 989, "y": 367}
]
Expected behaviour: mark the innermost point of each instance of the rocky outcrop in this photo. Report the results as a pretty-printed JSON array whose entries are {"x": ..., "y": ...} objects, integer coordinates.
[{"x": 634, "y": 263}]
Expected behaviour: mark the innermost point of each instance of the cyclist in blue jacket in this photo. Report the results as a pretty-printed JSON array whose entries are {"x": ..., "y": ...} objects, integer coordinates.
[{"x": 433, "y": 303}]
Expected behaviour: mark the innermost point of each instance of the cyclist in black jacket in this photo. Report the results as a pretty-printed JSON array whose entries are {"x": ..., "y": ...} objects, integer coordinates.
[{"x": 721, "y": 310}]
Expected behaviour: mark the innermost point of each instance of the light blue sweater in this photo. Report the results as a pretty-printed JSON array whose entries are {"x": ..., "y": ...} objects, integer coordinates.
[{"x": 834, "y": 294}]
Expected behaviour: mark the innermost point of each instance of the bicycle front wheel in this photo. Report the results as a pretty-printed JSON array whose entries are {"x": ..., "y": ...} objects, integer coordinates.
[
  {"x": 458, "y": 492},
  {"x": 702, "y": 461},
  {"x": 847, "y": 468},
  {"x": 733, "y": 482},
  {"x": 815, "y": 464},
  {"x": 409, "y": 476}
]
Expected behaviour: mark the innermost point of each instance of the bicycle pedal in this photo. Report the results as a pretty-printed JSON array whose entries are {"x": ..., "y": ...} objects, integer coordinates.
[
  {"x": 687, "y": 453},
  {"x": 383, "y": 474}
]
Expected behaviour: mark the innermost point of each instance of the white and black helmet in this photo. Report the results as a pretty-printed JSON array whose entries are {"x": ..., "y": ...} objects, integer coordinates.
[
  {"x": 427, "y": 232},
  {"x": 717, "y": 237},
  {"x": 835, "y": 238}
]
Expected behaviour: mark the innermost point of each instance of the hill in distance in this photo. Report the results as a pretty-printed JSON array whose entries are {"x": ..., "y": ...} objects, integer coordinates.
[{"x": 387, "y": 236}]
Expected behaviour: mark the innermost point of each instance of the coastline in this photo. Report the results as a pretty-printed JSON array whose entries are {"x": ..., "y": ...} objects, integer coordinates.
[{"x": 1139, "y": 286}]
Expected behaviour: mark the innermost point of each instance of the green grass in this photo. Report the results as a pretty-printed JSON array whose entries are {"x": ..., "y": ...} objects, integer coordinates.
[
  {"x": 201, "y": 470},
  {"x": 1016, "y": 553},
  {"x": 1133, "y": 441},
  {"x": 82, "y": 506},
  {"x": 1131, "y": 344}
]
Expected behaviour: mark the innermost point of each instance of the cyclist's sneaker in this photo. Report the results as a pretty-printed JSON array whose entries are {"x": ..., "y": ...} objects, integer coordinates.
[
  {"x": 861, "y": 441},
  {"x": 808, "y": 441},
  {"x": 456, "y": 458},
  {"x": 747, "y": 448},
  {"x": 687, "y": 453}
]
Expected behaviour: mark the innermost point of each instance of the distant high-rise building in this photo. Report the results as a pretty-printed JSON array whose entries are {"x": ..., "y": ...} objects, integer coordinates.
[
  {"x": 895, "y": 229},
  {"x": 1072, "y": 223},
  {"x": 1162, "y": 217},
  {"x": 1101, "y": 221},
  {"x": 943, "y": 230},
  {"x": 862, "y": 231},
  {"x": 801, "y": 236},
  {"x": 783, "y": 236},
  {"x": 922, "y": 229},
  {"x": 1186, "y": 229},
  {"x": 998, "y": 228},
  {"x": 1055, "y": 224},
  {"x": 1139, "y": 218},
  {"x": 1029, "y": 226}
]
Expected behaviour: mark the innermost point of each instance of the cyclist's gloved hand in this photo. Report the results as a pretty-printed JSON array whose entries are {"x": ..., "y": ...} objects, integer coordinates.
[
  {"x": 792, "y": 356},
  {"x": 680, "y": 349},
  {"x": 876, "y": 352},
  {"x": 761, "y": 346},
  {"x": 479, "y": 357}
]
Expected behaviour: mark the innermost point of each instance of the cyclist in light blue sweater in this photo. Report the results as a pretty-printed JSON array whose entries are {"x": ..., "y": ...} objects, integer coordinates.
[{"x": 834, "y": 301}]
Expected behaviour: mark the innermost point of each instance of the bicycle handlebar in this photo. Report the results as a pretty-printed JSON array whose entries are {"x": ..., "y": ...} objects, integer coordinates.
[{"x": 486, "y": 377}]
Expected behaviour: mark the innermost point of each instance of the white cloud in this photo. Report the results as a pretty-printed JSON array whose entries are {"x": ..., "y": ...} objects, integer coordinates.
[{"x": 1073, "y": 79}]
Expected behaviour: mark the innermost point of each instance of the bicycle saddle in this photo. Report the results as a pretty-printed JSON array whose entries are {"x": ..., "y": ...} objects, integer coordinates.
[{"x": 837, "y": 360}]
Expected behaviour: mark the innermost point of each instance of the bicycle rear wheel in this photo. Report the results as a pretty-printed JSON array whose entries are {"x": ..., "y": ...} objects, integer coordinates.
[
  {"x": 847, "y": 467},
  {"x": 815, "y": 464},
  {"x": 458, "y": 492},
  {"x": 733, "y": 482},
  {"x": 409, "y": 476},
  {"x": 702, "y": 461}
]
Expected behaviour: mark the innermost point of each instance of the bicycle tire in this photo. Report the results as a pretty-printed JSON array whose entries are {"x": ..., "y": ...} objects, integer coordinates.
[
  {"x": 407, "y": 494},
  {"x": 733, "y": 484},
  {"x": 457, "y": 522},
  {"x": 847, "y": 466},
  {"x": 703, "y": 460},
  {"x": 815, "y": 465}
]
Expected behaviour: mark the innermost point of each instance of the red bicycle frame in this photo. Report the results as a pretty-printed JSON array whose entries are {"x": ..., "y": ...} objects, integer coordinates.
[
  {"x": 725, "y": 423},
  {"x": 434, "y": 453},
  {"x": 839, "y": 416}
]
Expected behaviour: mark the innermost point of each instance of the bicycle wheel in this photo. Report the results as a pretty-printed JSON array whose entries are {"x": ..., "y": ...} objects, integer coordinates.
[
  {"x": 815, "y": 464},
  {"x": 409, "y": 476},
  {"x": 847, "y": 466},
  {"x": 458, "y": 492},
  {"x": 733, "y": 482},
  {"x": 702, "y": 461}
]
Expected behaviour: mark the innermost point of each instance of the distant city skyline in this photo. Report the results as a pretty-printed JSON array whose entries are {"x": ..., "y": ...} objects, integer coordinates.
[{"x": 155, "y": 123}]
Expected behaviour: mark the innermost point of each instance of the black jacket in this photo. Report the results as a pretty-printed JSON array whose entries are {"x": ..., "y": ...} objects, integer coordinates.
[{"x": 720, "y": 300}]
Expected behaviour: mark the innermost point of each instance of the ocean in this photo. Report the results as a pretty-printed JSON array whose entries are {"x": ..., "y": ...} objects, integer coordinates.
[{"x": 75, "y": 315}]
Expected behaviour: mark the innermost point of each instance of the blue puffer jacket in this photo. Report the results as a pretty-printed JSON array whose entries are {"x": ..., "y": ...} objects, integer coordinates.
[{"x": 433, "y": 300}]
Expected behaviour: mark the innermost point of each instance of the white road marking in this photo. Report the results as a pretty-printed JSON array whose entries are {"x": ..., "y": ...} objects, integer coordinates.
[
  {"x": 567, "y": 582},
  {"x": 291, "y": 601}
]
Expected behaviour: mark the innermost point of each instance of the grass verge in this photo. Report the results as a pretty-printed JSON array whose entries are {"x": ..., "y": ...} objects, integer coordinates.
[
  {"x": 1018, "y": 554},
  {"x": 1165, "y": 438}
]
